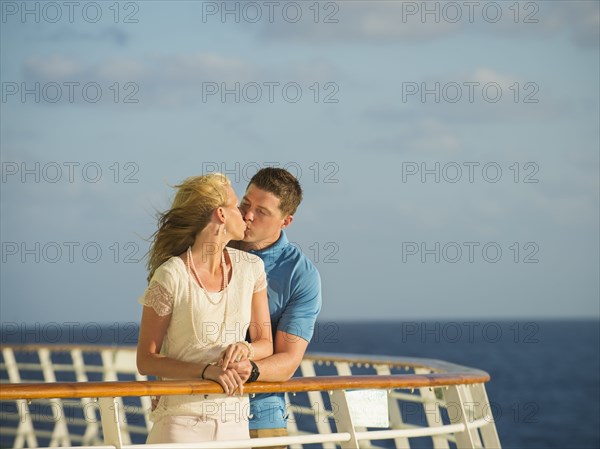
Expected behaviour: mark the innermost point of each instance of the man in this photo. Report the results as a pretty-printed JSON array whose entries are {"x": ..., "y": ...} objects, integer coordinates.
[{"x": 294, "y": 289}]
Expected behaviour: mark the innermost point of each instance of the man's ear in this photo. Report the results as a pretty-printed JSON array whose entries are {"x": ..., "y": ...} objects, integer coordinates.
[{"x": 287, "y": 221}]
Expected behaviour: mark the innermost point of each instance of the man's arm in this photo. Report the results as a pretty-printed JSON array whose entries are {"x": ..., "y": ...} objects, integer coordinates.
[
  {"x": 288, "y": 354},
  {"x": 299, "y": 317}
]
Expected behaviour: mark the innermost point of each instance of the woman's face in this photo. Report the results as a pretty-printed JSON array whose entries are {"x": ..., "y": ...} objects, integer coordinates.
[{"x": 233, "y": 218}]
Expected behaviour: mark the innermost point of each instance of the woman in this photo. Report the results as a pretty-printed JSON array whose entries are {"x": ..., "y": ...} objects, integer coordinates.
[{"x": 201, "y": 300}]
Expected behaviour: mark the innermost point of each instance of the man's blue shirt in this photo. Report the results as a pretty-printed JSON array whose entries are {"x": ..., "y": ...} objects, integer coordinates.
[{"x": 294, "y": 291}]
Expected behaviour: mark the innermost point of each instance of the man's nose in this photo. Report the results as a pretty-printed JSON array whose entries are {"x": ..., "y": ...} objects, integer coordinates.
[{"x": 248, "y": 215}]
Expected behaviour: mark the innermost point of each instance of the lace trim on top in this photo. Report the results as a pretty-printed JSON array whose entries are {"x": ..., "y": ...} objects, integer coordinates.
[{"x": 159, "y": 299}]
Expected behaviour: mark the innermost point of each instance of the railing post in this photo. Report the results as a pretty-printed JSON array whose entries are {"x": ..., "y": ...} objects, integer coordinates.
[
  {"x": 110, "y": 361},
  {"x": 489, "y": 435},
  {"x": 25, "y": 430},
  {"x": 60, "y": 433},
  {"x": 90, "y": 436},
  {"x": 316, "y": 400},
  {"x": 433, "y": 416},
  {"x": 342, "y": 417},
  {"x": 455, "y": 398},
  {"x": 109, "y": 412},
  {"x": 472, "y": 412}
]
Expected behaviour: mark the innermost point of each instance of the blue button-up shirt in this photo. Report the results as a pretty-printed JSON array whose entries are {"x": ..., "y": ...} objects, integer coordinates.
[{"x": 294, "y": 291}]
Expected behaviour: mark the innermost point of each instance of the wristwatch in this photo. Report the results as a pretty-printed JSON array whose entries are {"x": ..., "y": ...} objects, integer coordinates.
[{"x": 254, "y": 373}]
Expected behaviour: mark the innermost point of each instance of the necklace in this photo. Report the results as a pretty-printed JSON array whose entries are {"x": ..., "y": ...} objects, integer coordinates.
[
  {"x": 191, "y": 269},
  {"x": 190, "y": 262}
]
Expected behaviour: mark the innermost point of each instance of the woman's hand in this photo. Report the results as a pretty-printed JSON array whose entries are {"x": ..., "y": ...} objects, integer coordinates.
[
  {"x": 234, "y": 353},
  {"x": 243, "y": 368},
  {"x": 229, "y": 379}
]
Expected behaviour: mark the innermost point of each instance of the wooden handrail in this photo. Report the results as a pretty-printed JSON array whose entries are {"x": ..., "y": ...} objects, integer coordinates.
[
  {"x": 441, "y": 374},
  {"x": 170, "y": 387}
]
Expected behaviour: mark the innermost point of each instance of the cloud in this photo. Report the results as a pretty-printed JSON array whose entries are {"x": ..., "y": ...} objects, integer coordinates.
[
  {"x": 179, "y": 79},
  {"x": 114, "y": 34},
  {"x": 483, "y": 95},
  {"x": 426, "y": 137},
  {"x": 187, "y": 68},
  {"x": 192, "y": 69},
  {"x": 54, "y": 67},
  {"x": 486, "y": 75},
  {"x": 164, "y": 79},
  {"x": 357, "y": 21},
  {"x": 581, "y": 19},
  {"x": 121, "y": 68},
  {"x": 568, "y": 210},
  {"x": 411, "y": 21}
]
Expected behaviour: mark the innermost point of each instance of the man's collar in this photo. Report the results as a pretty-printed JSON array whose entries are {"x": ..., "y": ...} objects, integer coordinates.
[{"x": 278, "y": 246}]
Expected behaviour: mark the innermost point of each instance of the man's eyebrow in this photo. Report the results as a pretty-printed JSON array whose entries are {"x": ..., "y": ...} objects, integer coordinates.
[
  {"x": 245, "y": 200},
  {"x": 258, "y": 206}
]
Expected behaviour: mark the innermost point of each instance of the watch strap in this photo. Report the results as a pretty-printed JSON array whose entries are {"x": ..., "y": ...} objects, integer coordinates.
[{"x": 254, "y": 373}]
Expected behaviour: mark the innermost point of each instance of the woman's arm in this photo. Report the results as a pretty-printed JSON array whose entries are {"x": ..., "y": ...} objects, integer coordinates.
[
  {"x": 153, "y": 329},
  {"x": 150, "y": 361}
]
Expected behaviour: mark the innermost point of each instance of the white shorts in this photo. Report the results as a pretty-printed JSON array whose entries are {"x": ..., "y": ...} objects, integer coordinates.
[{"x": 193, "y": 429}]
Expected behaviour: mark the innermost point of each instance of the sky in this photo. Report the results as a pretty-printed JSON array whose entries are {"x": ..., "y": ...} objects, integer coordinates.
[{"x": 448, "y": 151}]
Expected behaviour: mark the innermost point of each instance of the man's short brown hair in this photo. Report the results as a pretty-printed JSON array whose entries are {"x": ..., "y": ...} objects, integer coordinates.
[{"x": 282, "y": 184}]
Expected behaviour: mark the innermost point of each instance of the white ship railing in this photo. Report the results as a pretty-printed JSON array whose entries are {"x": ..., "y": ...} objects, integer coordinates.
[{"x": 95, "y": 409}]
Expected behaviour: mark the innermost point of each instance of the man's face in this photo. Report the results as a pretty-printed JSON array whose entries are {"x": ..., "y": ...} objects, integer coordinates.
[{"x": 260, "y": 210}]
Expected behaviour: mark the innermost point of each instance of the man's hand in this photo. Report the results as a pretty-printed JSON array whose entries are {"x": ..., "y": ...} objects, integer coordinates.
[{"x": 243, "y": 368}]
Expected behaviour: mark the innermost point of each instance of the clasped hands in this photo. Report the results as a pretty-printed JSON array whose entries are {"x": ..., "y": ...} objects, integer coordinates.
[
  {"x": 233, "y": 368},
  {"x": 231, "y": 371}
]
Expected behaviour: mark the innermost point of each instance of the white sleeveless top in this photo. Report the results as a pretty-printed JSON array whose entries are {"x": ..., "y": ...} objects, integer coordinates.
[{"x": 201, "y": 328}]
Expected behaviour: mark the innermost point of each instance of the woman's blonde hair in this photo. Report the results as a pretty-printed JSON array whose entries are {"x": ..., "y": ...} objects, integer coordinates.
[{"x": 196, "y": 198}]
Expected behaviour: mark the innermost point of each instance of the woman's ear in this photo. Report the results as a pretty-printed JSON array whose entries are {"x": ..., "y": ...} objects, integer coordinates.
[{"x": 220, "y": 214}]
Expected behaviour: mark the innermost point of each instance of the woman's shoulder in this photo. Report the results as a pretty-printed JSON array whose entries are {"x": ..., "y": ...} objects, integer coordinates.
[
  {"x": 172, "y": 267},
  {"x": 173, "y": 263},
  {"x": 244, "y": 259}
]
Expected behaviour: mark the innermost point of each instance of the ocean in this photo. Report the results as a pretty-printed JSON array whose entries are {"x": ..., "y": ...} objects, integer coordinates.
[{"x": 545, "y": 386}]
